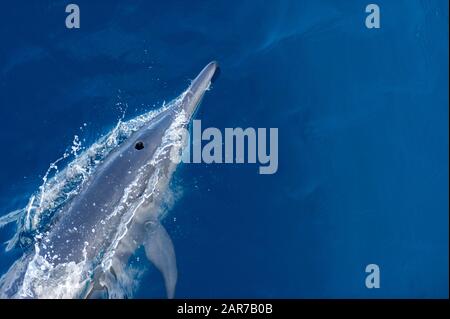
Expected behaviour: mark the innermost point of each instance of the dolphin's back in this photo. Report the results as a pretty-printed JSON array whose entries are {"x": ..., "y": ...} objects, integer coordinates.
[{"x": 87, "y": 225}]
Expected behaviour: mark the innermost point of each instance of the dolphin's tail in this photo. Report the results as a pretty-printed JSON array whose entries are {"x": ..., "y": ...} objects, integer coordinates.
[
  {"x": 15, "y": 216},
  {"x": 11, "y": 217}
]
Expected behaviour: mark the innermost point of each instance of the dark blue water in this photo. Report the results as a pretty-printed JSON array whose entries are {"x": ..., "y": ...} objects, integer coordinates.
[{"x": 362, "y": 117}]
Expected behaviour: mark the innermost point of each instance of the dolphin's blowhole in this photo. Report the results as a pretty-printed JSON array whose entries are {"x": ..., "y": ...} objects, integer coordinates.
[{"x": 139, "y": 146}]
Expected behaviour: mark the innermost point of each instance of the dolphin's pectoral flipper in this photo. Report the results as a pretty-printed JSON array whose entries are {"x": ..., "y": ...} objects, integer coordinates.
[{"x": 159, "y": 250}]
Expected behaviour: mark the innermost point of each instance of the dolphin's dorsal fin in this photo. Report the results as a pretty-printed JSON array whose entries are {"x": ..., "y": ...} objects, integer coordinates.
[{"x": 159, "y": 250}]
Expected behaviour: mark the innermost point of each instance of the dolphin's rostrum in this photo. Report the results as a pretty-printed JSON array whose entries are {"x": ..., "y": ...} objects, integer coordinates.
[{"x": 115, "y": 212}]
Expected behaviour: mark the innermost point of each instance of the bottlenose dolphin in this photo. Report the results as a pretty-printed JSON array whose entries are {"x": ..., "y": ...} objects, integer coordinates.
[{"x": 92, "y": 238}]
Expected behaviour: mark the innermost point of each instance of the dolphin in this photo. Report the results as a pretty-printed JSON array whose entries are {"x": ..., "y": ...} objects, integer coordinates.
[{"x": 90, "y": 241}]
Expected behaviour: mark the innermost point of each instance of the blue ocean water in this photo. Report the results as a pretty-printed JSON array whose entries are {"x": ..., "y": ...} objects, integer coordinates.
[{"x": 363, "y": 134}]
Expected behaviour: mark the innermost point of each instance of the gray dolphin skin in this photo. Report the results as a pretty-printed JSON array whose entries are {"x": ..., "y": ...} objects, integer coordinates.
[{"x": 116, "y": 211}]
